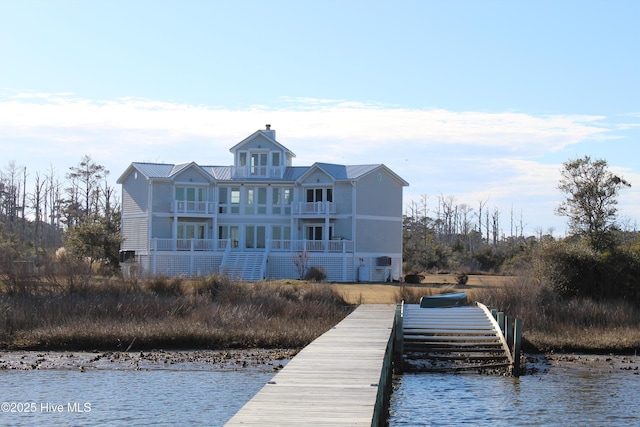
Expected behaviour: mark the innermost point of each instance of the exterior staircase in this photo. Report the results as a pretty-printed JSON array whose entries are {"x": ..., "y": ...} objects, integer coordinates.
[
  {"x": 452, "y": 339},
  {"x": 247, "y": 266}
]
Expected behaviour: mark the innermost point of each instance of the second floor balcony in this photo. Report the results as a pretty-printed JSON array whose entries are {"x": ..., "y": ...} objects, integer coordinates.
[
  {"x": 313, "y": 208},
  {"x": 181, "y": 206},
  {"x": 257, "y": 171}
]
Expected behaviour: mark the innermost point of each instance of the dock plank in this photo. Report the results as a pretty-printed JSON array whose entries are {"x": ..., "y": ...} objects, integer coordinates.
[{"x": 331, "y": 382}]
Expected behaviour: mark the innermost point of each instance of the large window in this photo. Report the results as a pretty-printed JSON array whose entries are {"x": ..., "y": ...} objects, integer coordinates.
[
  {"x": 231, "y": 232},
  {"x": 229, "y": 200},
  {"x": 317, "y": 232},
  {"x": 256, "y": 201},
  {"x": 319, "y": 195},
  {"x": 281, "y": 236},
  {"x": 190, "y": 198},
  {"x": 282, "y": 198},
  {"x": 191, "y": 231},
  {"x": 259, "y": 164},
  {"x": 255, "y": 236}
]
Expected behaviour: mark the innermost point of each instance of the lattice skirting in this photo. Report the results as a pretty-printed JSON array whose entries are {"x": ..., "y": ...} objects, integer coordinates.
[{"x": 338, "y": 267}]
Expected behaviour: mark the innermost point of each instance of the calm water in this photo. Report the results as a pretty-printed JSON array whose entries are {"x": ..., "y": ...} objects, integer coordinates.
[
  {"x": 567, "y": 396},
  {"x": 572, "y": 395},
  {"x": 132, "y": 398}
]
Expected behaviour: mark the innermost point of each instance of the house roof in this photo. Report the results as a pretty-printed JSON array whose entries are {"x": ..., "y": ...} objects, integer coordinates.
[
  {"x": 223, "y": 173},
  {"x": 267, "y": 135}
]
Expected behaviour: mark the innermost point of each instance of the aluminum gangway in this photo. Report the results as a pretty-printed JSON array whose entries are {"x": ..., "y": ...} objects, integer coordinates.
[{"x": 456, "y": 339}]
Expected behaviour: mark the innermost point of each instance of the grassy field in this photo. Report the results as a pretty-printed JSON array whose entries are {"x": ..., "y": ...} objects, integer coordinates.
[{"x": 390, "y": 293}]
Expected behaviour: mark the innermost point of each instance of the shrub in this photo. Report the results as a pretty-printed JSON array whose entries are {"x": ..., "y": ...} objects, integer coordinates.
[
  {"x": 462, "y": 278},
  {"x": 413, "y": 278},
  {"x": 316, "y": 273},
  {"x": 162, "y": 285},
  {"x": 575, "y": 269}
]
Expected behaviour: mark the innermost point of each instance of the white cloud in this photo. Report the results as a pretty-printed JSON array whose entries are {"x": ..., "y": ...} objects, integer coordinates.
[{"x": 472, "y": 155}]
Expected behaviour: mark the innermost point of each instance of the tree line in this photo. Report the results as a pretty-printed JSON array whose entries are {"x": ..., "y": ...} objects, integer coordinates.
[
  {"x": 598, "y": 258},
  {"x": 41, "y": 212}
]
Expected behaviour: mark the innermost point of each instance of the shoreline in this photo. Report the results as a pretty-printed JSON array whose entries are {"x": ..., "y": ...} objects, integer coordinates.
[
  {"x": 266, "y": 360},
  {"x": 257, "y": 359}
]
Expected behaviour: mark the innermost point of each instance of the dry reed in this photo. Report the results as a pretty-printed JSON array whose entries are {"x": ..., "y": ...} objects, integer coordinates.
[
  {"x": 212, "y": 312},
  {"x": 566, "y": 324}
]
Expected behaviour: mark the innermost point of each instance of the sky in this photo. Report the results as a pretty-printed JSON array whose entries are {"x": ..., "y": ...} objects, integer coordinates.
[{"x": 482, "y": 101}]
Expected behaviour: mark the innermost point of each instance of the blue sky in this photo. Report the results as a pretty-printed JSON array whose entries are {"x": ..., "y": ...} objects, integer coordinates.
[{"x": 480, "y": 100}]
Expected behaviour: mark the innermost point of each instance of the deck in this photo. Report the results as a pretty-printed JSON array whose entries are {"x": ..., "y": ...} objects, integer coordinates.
[{"x": 334, "y": 381}]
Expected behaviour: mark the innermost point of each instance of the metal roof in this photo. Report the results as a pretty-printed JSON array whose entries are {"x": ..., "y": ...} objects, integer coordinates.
[{"x": 223, "y": 173}]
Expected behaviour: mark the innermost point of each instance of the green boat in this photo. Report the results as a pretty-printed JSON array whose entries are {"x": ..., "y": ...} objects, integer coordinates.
[{"x": 444, "y": 300}]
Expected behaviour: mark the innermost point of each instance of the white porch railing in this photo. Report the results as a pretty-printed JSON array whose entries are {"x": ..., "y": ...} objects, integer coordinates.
[
  {"x": 213, "y": 245},
  {"x": 257, "y": 171},
  {"x": 312, "y": 246},
  {"x": 180, "y": 206},
  {"x": 210, "y": 245},
  {"x": 313, "y": 208}
]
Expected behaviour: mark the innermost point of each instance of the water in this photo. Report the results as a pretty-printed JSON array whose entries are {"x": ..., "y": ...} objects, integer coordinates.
[
  {"x": 574, "y": 394},
  {"x": 63, "y": 397}
]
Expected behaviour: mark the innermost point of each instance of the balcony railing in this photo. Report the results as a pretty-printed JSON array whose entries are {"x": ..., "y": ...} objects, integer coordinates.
[
  {"x": 312, "y": 246},
  {"x": 180, "y": 206},
  {"x": 210, "y": 245},
  {"x": 257, "y": 171},
  {"x": 220, "y": 245},
  {"x": 313, "y": 208}
]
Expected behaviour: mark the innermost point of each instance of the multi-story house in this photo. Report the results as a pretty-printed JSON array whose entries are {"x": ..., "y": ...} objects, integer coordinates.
[{"x": 263, "y": 218}]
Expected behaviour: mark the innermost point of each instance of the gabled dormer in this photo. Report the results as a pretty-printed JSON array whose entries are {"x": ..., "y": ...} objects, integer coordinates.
[{"x": 260, "y": 156}]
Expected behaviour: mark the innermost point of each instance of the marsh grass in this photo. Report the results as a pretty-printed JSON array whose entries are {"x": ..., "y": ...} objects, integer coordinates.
[
  {"x": 211, "y": 312},
  {"x": 565, "y": 324}
]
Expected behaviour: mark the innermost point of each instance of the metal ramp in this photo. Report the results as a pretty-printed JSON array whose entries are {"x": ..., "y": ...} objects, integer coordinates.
[{"x": 452, "y": 339}]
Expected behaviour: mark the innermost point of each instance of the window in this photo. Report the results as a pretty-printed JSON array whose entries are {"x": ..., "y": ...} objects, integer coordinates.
[
  {"x": 259, "y": 164},
  {"x": 255, "y": 236},
  {"x": 190, "y": 194},
  {"x": 256, "y": 201},
  {"x": 319, "y": 195},
  {"x": 229, "y": 200},
  {"x": 229, "y": 232},
  {"x": 191, "y": 231},
  {"x": 190, "y": 198},
  {"x": 235, "y": 200},
  {"x": 316, "y": 232},
  {"x": 282, "y": 198},
  {"x": 281, "y": 237},
  {"x": 222, "y": 200},
  {"x": 275, "y": 159}
]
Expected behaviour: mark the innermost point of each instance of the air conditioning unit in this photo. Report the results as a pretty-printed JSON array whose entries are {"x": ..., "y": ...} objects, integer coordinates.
[{"x": 383, "y": 261}]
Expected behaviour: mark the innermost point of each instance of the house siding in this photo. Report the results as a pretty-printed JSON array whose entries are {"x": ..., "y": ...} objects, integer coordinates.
[
  {"x": 135, "y": 194},
  {"x": 134, "y": 229},
  {"x": 379, "y": 194},
  {"x": 342, "y": 197},
  {"x": 162, "y": 196}
]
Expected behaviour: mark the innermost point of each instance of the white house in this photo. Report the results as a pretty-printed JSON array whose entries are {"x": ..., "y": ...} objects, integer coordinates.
[{"x": 263, "y": 217}]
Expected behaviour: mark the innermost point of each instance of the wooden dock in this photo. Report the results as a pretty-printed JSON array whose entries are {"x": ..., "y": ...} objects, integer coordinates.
[{"x": 336, "y": 380}]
